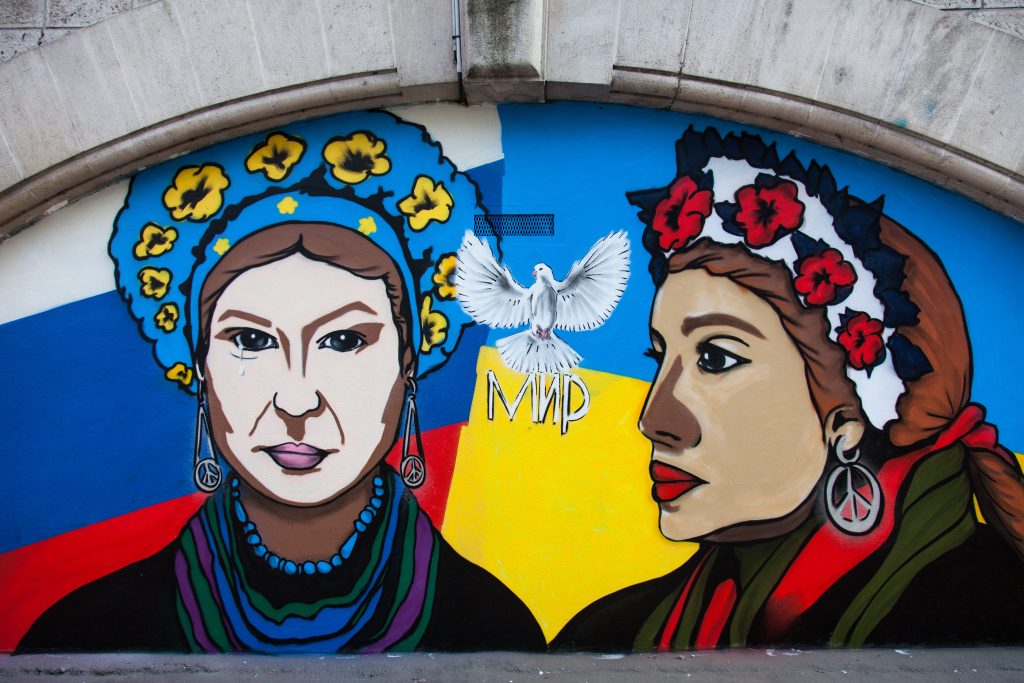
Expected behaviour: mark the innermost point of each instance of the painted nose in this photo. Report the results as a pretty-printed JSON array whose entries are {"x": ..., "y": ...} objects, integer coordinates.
[
  {"x": 297, "y": 401},
  {"x": 666, "y": 420}
]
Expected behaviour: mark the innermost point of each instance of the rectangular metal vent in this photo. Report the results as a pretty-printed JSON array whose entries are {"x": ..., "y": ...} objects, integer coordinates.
[{"x": 514, "y": 225}]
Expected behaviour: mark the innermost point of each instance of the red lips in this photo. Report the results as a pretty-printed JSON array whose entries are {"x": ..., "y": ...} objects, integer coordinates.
[{"x": 671, "y": 482}]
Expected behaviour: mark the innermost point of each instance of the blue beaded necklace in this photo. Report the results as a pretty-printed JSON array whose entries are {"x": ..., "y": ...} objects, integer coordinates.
[{"x": 252, "y": 536}]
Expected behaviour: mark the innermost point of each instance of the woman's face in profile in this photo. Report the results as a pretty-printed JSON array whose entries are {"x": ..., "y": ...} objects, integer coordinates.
[
  {"x": 735, "y": 435},
  {"x": 303, "y": 375}
]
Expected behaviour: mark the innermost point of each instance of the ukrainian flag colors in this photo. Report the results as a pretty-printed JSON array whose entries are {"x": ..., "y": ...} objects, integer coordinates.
[{"x": 561, "y": 520}]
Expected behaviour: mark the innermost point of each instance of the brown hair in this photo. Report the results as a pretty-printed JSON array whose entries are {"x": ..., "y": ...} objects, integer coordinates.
[
  {"x": 339, "y": 246},
  {"x": 930, "y": 403}
]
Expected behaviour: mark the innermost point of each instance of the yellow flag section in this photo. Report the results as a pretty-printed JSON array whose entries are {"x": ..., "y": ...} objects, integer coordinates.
[{"x": 561, "y": 519}]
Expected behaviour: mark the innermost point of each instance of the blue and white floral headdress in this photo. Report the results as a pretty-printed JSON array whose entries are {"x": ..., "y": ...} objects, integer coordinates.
[
  {"x": 367, "y": 172},
  {"x": 736, "y": 190}
]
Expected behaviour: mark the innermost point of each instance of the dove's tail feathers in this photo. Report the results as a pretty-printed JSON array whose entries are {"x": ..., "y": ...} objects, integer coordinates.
[{"x": 525, "y": 353}]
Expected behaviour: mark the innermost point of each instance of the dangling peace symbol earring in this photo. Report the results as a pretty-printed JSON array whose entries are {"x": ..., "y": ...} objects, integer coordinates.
[
  {"x": 853, "y": 498},
  {"x": 206, "y": 473},
  {"x": 413, "y": 469}
]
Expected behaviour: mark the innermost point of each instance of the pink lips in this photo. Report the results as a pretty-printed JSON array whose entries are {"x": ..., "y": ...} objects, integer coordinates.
[{"x": 296, "y": 456}]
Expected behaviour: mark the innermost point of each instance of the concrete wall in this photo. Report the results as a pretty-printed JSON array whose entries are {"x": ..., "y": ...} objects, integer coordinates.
[
  {"x": 929, "y": 92},
  {"x": 25, "y": 24}
]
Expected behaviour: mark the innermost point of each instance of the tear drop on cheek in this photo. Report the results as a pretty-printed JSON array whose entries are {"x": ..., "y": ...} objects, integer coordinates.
[{"x": 241, "y": 366}]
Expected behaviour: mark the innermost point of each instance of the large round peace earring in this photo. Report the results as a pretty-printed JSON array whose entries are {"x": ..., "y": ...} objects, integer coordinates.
[
  {"x": 206, "y": 473},
  {"x": 851, "y": 508},
  {"x": 412, "y": 467}
]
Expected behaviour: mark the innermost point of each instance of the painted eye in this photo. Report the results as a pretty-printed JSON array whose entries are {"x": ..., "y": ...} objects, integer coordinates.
[
  {"x": 715, "y": 359},
  {"x": 658, "y": 356},
  {"x": 253, "y": 340},
  {"x": 342, "y": 340}
]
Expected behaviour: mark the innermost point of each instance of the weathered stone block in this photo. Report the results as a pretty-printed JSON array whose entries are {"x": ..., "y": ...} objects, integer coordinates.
[
  {"x": 21, "y": 13},
  {"x": 422, "y": 41},
  {"x": 222, "y": 47},
  {"x": 581, "y": 40},
  {"x": 88, "y": 74},
  {"x": 992, "y": 111},
  {"x": 719, "y": 43},
  {"x": 865, "y": 55},
  {"x": 652, "y": 34},
  {"x": 1008, "y": 21},
  {"x": 358, "y": 35},
  {"x": 155, "y": 61},
  {"x": 789, "y": 50},
  {"x": 35, "y": 123},
  {"x": 943, "y": 52},
  {"x": 17, "y": 40},
  {"x": 10, "y": 173},
  {"x": 77, "y": 13},
  {"x": 503, "y": 39},
  {"x": 291, "y": 42}
]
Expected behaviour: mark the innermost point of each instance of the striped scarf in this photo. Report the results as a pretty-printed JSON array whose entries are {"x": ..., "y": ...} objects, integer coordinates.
[{"x": 384, "y": 604}]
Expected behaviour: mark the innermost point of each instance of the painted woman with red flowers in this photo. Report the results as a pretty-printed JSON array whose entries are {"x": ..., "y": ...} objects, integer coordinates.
[{"x": 811, "y": 425}]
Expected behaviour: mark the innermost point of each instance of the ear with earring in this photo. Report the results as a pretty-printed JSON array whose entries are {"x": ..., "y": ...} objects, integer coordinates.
[
  {"x": 412, "y": 467},
  {"x": 853, "y": 498},
  {"x": 206, "y": 472}
]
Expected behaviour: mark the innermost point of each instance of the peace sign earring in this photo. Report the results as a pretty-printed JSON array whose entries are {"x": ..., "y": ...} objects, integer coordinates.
[
  {"x": 853, "y": 498},
  {"x": 206, "y": 473},
  {"x": 412, "y": 467}
]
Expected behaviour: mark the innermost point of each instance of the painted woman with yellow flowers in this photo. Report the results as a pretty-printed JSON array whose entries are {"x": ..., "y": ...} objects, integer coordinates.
[{"x": 298, "y": 284}]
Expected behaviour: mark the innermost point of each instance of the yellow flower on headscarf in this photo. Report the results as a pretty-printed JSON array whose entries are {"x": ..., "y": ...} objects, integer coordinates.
[
  {"x": 180, "y": 373},
  {"x": 429, "y": 201},
  {"x": 196, "y": 193},
  {"x": 367, "y": 226},
  {"x": 154, "y": 240},
  {"x": 433, "y": 327},
  {"x": 275, "y": 157},
  {"x": 167, "y": 317},
  {"x": 444, "y": 276},
  {"x": 287, "y": 205},
  {"x": 155, "y": 282},
  {"x": 355, "y": 158}
]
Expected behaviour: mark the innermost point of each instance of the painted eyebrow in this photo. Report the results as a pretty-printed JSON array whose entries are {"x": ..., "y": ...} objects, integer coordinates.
[
  {"x": 232, "y": 313},
  {"x": 308, "y": 330},
  {"x": 717, "y": 319}
]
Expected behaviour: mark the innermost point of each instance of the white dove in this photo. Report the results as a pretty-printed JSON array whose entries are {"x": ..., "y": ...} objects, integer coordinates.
[{"x": 584, "y": 300}]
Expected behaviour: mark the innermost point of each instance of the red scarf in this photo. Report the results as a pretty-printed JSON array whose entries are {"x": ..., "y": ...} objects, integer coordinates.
[{"x": 830, "y": 554}]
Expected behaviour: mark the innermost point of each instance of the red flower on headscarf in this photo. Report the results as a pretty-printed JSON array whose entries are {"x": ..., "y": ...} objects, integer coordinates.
[
  {"x": 680, "y": 216},
  {"x": 861, "y": 336},
  {"x": 765, "y": 210},
  {"x": 820, "y": 275}
]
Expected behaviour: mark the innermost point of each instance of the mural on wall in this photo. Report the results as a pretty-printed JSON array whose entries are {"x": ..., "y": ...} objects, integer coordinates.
[
  {"x": 299, "y": 289},
  {"x": 811, "y": 424},
  {"x": 401, "y": 432}
]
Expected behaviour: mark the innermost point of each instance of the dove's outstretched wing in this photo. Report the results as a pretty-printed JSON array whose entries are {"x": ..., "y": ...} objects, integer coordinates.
[
  {"x": 593, "y": 287},
  {"x": 486, "y": 289}
]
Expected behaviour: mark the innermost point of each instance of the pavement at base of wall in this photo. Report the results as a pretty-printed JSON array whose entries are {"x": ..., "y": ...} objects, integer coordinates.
[{"x": 905, "y": 664}]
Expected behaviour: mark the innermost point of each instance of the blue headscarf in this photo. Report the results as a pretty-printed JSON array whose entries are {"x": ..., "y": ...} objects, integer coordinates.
[{"x": 366, "y": 171}]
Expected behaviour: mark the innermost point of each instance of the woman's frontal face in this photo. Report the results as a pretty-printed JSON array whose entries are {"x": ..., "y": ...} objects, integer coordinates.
[
  {"x": 735, "y": 435},
  {"x": 303, "y": 377}
]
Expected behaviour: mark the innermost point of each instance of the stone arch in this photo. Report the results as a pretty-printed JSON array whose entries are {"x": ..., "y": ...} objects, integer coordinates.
[{"x": 927, "y": 92}]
